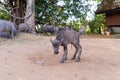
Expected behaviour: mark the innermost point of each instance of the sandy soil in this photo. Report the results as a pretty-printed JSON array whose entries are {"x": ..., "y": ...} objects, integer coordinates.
[{"x": 30, "y": 57}]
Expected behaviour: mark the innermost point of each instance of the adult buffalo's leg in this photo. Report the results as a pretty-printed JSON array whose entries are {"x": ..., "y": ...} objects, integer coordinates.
[
  {"x": 64, "y": 57},
  {"x": 79, "y": 52},
  {"x": 11, "y": 34}
]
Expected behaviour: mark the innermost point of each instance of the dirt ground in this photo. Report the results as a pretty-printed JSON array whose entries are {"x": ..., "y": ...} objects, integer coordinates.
[{"x": 30, "y": 57}]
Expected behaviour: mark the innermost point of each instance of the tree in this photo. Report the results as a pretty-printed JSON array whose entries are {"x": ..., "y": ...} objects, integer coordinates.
[
  {"x": 49, "y": 11},
  {"x": 31, "y": 9},
  {"x": 4, "y": 15},
  {"x": 97, "y": 25},
  {"x": 17, "y": 9}
]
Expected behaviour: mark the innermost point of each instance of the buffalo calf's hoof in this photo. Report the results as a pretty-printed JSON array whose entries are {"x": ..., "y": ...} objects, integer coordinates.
[
  {"x": 62, "y": 61},
  {"x": 77, "y": 60},
  {"x": 73, "y": 58},
  {"x": 65, "y": 58}
]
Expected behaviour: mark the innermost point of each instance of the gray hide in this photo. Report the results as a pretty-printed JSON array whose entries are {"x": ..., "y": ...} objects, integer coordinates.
[
  {"x": 7, "y": 29},
  {"x": 65, "y": 37},
  {"x": 50, "y": 28},
  {"x": 24, "y": 27},
  {"x": 5, "y": 35},
  {"x": 82, "y": 31}
]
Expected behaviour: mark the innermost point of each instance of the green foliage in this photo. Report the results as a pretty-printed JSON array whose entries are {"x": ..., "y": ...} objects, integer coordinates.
[
  {"x": 97, "y": 25},
  {"x": 74, "y": 25},
  {"x": 98, "y": 0},
  {"x": 4, "y": 15},
  {"x": 48, "y": 11}
]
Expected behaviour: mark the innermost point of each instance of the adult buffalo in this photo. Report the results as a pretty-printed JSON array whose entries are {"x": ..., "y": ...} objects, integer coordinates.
[
  {"x": 24, "y": 27},
  {"x": 8, "y": 29},
  {"x": 50, "y": 28},
  {"x": 82, "y": 31}
]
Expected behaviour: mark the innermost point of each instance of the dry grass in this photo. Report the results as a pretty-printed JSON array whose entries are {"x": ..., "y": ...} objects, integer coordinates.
[
  {"x": 22, "y": 37},
  {"x": 29, "y": 38},
  {"x": 115, "y": 36}
]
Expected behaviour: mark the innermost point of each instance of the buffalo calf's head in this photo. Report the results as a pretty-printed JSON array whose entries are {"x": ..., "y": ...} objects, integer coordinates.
[{"x": 55, "y": 44}]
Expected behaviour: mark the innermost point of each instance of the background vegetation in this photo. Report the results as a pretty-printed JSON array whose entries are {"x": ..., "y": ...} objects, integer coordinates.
[{"x": 62, "y": 13}]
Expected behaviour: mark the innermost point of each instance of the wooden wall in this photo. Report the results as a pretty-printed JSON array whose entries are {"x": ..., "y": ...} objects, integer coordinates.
[{"x": 113, "y": 19}]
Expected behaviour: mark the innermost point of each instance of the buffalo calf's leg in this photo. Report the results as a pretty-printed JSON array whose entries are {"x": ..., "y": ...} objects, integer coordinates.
[
  {"x": 74, "y": 56},
  {"x": 79, "y": 53},
  {"x": 64, "y": 57}
]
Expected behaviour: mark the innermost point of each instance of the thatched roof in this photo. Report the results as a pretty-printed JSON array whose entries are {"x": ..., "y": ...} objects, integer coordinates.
[{"x": 108, "y": 6}]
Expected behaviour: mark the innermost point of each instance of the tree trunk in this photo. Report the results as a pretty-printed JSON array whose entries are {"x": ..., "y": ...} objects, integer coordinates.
[
  {"x": 17, "y": 21},
  {"x": 21, "y": 10},
  {"x": 30, "y": 9},
  {"x": 17, "y": 10}
]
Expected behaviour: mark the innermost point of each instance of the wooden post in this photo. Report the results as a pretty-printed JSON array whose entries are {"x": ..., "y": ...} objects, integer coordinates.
[{"x": 108, "y": 31}]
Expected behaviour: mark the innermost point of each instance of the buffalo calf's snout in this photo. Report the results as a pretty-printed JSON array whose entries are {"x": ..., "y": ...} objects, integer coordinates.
[{"x": 56, "y": 52}]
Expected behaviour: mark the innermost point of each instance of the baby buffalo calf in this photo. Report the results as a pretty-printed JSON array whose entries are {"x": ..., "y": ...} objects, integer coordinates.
[{"x": 65, "y": 37}]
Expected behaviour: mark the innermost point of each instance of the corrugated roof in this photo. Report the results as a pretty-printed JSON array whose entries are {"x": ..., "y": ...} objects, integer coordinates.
[{"x": 108, "y": 5}]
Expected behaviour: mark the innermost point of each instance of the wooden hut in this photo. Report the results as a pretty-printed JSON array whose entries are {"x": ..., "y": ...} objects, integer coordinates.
[{"x": 111, "y": 9}]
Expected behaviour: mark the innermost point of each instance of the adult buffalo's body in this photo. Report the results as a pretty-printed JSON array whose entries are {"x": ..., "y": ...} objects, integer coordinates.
[
  {"x": 50, "y": 28},
  {"x": 24, "y": 27},
  {"x": 5, "y": 35},
  {"x": 65, "y": 37},
  {"x": 7, "y": 29}
]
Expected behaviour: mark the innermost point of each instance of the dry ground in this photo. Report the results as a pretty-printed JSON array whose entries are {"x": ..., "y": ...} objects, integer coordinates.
[{"x": 30, "y": 57}]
